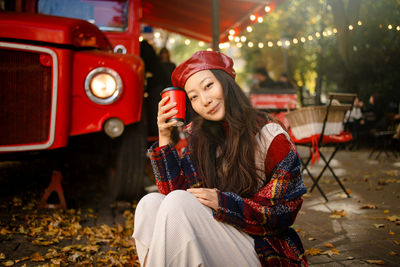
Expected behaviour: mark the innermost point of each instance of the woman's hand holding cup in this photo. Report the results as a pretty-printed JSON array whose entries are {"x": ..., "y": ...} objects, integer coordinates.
[{"x": 165, "y": 111}]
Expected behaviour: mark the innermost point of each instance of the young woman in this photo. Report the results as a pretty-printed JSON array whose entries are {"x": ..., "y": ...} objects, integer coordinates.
[{"x": 235, "y": 191}]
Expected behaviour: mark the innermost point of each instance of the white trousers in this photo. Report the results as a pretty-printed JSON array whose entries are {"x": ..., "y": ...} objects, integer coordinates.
[{"x": 177, "y": 230}]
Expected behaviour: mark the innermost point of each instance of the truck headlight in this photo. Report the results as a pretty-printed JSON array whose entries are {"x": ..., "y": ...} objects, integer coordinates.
[{"x": 103, "y": 85}]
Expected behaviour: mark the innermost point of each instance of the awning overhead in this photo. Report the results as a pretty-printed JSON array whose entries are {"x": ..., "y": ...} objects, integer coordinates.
[{"x": 192, "y": 18}]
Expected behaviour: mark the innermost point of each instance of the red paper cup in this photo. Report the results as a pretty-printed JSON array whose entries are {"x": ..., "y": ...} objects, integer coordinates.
[{"x": 176, "y": 95}]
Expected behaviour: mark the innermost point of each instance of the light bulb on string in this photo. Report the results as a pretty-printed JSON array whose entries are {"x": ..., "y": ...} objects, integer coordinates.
[
  {"x": 279, "y": 43},
  {"x": 303, "y": 39},
  {"x": 249, "y": 29},
  {"x": 231, "y": 37},
  {"x": 252, "y": 17},
  {"x": 295, "y": 41},
  {"x": 390, "y": 27},
  {"x": 237, "y": 39},
  {"x": 239, "y": 45},
  {"x": 267, "y": 8},
  {"x": 359, "y": 23},
  {"x": 260, "y": 45},
  {"x": 243, "y": 38},
  {"x": 351, "y": 27},
  {"x": 270, "y": 44},
  {"x": 260, "y": 19},
  {"x": 232, "y": 32}
]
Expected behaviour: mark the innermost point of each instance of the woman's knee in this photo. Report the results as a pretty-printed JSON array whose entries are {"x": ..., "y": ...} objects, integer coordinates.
[
  {"x": 179, "y": 200},
  {"x": 149, "y": 202}
]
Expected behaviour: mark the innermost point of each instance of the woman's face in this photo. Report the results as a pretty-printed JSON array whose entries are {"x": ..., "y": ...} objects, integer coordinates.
[{"x": 206, "y": 95}]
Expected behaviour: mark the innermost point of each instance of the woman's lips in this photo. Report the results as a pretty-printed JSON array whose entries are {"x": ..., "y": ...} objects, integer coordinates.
[{"x": 214, "y": 109}]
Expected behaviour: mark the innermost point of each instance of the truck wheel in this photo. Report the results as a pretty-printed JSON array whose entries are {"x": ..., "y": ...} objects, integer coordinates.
[{"x": 127, "y": 177}]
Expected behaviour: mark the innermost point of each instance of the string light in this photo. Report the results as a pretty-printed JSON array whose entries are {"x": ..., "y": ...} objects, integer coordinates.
[
  {"x": 140, "y": 38},
  {"x": 260, "y": 45},
  {"x": 267, "y": 9},
  {"x": 201, "y": 43},
  {"x": 231, "y": 37},
  {"x": 287, "y": 43},
  {"x": 359, "y": 23},
  {"x": 398, "y": 28},
  {"x": 232, "y": 32},
  {"x": 303, "y": 39},
  {"x": 279, "y": 43},
  {"x": 239, "y": 45},
  {"x": 252, "y": 17},
  {"x": 317, "y": 34},
  {"x": 237, "y": 39},
  {"x": 243, "y": 38},
  {"x": 250, "y": 44},
  {"x": 310, "y": 37},
  {"x": 295, "y": 41},
  {"x": 187, "y": 42},
  {"x": 249, "y": 29},
  {"x": 390, "y": 26},
  {"x": 260, "y": 20},
  {"x": 334, "y": 30},
  {"x": 172, "y": 40},
  {"x": 157, "y": 35},
  {"x": 351, "y": 27},
  {"x": 270, "y": 44}
]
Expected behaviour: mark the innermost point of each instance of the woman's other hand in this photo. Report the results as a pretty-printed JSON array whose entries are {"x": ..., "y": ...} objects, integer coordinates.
[
  {"x": 206, "y": 196},
  {"x": 165, "y": 128}
]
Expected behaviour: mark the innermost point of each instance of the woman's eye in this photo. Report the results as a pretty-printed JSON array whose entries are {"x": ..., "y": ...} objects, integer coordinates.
[
  {"x": 193, "y": 98},
  {"x": 209, "y": 85}
]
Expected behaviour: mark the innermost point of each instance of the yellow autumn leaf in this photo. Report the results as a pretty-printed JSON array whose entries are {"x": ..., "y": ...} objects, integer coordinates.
[
  {"x": 36, "y": 257},
  {"x": 378, "y": 262},
  {"x": 391, "y": 232},
  {"x": 328, "y": 245},
  {"x": 2, "y": 256},
  {"x": 378, "y": 225},
  {"x": 392, "y": 253},
  {"x": 8, "y": 263},
  {"x": 386, "y": 211},
  {"x": 396, "y": 242},
  {"x": 337, "y": 214},
  {"x": 368, "y": 206},
  {"x": 313, "y": 251}
]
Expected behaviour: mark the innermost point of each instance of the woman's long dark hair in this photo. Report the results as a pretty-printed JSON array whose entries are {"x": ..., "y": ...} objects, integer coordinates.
[{"x": 224, "y": 151}]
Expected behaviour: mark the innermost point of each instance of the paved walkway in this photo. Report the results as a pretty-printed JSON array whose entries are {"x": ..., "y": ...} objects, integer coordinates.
[{"x": 356, "y": 231}]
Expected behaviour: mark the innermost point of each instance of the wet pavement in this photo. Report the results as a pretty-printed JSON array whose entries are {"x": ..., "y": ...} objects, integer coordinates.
[
  {"x": 361, "y": 230},
  {"x": 357, "y": 231}
]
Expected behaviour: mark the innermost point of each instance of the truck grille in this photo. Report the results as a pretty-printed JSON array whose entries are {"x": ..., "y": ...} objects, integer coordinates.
[{"x": 25, "y": 98}]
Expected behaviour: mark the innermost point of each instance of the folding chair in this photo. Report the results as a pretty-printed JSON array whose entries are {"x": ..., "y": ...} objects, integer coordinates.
[{"x": 325, "y": 139}]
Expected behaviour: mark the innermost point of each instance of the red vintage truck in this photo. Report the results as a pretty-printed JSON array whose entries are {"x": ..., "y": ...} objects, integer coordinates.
[{"x": 72, "y": 69}]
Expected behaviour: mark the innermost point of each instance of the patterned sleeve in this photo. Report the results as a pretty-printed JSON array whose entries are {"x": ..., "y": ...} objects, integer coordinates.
[
  {"x": 173, "y": 172},
  {"x": 275, "y": 206}
]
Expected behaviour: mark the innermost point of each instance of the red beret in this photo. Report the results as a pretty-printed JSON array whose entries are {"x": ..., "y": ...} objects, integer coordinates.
[{"x": 202, "y": 60}]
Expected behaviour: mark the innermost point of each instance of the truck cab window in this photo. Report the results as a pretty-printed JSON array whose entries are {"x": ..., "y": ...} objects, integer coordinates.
[{"x": 108, "y": 15}]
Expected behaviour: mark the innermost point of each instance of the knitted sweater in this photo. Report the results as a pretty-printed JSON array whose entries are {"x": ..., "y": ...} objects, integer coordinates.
[{"x": 268, "y": 215}]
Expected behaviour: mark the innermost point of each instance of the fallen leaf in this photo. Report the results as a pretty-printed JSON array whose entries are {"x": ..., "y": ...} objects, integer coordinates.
[
  {"x": 393, "y": 218},
  {"x": 331, "y": 252},
  {"x": 386, "y": 211},
  {"x": 391, "y": 232},
  {"x": 396, "y": 242},
  {"x": 2, "y": 256},
  {"x": 392, "y": 253},
  {"x": 8, "y": 263},
  {"x": 311, "y": 239},
  {"x": 337, "y": 214},
  {"x": 379, "y": 225},
  {"x": 379, "y": 262},
  {"x": 313, "y": 251},
  {"x": 368, "y": 206},
  {"x": 328, "y": 245},
  {"x": 350, "y": 258},
  {"x": 36, "y": 257}
]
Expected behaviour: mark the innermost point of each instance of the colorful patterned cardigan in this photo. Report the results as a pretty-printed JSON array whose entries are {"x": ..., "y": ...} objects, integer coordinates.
[{"x": 268, "y": 215}]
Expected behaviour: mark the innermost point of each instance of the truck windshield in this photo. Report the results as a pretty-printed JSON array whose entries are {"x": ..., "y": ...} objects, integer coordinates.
[{"x": 108, "y": 15}]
